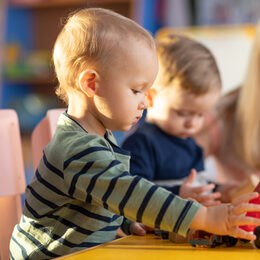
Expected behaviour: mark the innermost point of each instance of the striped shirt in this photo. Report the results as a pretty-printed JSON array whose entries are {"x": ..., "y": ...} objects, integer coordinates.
[{"x": 80, "y": 193}]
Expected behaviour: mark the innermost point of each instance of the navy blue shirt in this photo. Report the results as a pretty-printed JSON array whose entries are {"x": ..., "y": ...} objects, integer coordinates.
[{"x": 156, "y": 155}]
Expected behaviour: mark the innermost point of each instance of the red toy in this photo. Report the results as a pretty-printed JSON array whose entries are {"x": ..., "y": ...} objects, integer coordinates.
[{"x": 252, "y": 228}]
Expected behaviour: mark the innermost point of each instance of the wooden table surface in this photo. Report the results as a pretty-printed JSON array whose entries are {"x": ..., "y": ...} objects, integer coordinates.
[{"x": 153, "y": 247}]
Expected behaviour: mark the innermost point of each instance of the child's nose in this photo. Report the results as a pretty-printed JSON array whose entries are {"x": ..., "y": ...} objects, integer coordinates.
[
  {"x": 143, "y": 105},
  {"x": 190, "y": 122}
]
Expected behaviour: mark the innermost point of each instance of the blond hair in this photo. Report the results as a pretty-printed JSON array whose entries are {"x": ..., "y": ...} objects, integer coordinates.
[
  {"x": 187, "y": 64},
  {"x": 88, "y": 41},
  {"x": 246, "y": 134}
]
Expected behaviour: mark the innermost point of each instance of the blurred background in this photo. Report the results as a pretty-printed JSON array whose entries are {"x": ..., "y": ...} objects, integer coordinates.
[{"x": 28, "y": 29}]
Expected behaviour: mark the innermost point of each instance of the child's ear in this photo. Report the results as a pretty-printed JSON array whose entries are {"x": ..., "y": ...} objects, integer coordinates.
[
  {"x": 151, "y": 93},
  {"x": 88, "y": 80}
]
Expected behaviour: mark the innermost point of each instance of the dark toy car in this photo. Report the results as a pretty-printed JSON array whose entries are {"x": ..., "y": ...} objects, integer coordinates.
[{"x": 201, "y": 238}]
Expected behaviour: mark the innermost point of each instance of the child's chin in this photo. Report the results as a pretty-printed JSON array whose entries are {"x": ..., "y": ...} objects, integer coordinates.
[
  {"x": 127, "y": 128},
  {"x": 183, "y": 136},
  {"x": 122, "y": 129}
]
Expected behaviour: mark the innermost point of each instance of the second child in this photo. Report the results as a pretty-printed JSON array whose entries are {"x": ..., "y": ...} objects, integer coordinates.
[{"x": 186, "y": 89}]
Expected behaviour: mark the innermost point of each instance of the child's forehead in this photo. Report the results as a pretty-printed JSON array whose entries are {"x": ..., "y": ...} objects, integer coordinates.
[
  {"x": 124, "y": 47},
  {"x": 196, "y": 103},
  {"x": 133, "y": 61},
  {"x": 177, "y": 89},
  {"x": 132, "y": 41},
  {"x": 179, "y": 97},
  {"x": 128, "y": 50}
]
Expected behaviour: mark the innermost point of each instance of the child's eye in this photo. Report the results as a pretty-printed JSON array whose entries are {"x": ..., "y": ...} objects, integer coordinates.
[
  {"x": 135, "y": 91},
  {"x": 180, "y": 113},
  {"x": 199, "y": 115}
]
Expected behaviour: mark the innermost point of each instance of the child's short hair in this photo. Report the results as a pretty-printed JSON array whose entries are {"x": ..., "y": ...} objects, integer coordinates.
[
  {"x": 88, "y": 40},
  {"x": 187, "y": 64}
]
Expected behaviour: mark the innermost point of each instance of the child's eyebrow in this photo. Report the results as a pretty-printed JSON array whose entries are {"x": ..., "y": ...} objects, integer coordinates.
[
  {"x": 141, "y": 84},
  {"x": 190, "y": 111}
]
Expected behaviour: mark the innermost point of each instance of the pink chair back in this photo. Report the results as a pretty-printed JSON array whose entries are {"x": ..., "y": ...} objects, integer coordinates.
[
  {"x": 43, "y": 133},
  {"x": 12, "y": 177}
]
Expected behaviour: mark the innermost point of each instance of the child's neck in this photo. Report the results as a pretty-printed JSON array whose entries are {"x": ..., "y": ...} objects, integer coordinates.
[{"x": 87, "y": 120}]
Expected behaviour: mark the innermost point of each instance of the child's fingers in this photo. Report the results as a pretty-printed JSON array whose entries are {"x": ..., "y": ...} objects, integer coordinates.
[
  {"x": 204, "y": 188},
  {"x": 211, "y": 203},
  {"x": 238, "y": 232},
  {"x": 149, "y": 229},
  {"x": 208, "y": 196},
  {"x": 241, "y": 220},
  {"x": 245, "y": 198},
  {"x": 137, "y": 229},
  {"x": 245, "y": 207},
  {"x": 191, "y": 178},
  {"x": 193, "y": 172}
]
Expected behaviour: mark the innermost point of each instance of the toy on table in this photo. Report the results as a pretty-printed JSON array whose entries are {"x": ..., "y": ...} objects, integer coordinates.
[
  {"x": 176, "y": 238},
  {"x": 163, "y": 234},
  {"x": 199, "y": 238},
  {"x": 252, "y": 228}
]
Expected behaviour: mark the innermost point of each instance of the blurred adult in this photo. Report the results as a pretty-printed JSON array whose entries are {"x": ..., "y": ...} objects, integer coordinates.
[{"x": 231, "y": 134}]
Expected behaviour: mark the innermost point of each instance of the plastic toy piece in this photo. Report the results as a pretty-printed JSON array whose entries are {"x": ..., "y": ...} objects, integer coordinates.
[
  {"x": 201, "y": 238},
  {"x": 253, "y": 228},
  {"x": 256, "y": 243},
  {"x": 176, "y": 238},
  {"x": 229, "y": 241},
  {"x": 162, "y": 233}
]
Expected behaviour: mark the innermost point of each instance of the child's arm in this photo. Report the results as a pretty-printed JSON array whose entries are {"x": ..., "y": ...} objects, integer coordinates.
[
  {"x": 100, "y": 179},
  {"x": 226, "y": 190},
  {"x": 225, "y": 219},
  {"x": 105, "y": 184}
]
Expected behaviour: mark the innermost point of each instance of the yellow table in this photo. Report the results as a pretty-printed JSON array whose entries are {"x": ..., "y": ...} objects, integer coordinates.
[{"x": 153, "y": 247}]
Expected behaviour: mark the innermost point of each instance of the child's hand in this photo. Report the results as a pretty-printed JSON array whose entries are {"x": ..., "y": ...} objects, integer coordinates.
[
  {"x": 225, "y": 219},
  {"x": 139, "y": 229},
  {"x": 199, "y": 193},
  {"x": 225, "y": 190}
]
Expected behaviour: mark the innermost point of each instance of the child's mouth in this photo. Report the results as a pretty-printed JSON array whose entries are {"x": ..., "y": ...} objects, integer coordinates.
[{"x": 137, "y": 119}]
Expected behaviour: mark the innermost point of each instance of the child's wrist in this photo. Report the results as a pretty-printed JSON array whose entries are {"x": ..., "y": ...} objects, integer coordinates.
[{"x": 200, "y": 219}]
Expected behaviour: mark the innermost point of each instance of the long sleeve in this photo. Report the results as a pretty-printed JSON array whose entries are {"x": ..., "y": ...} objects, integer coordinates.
[{"x": 97, "y": 176}]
